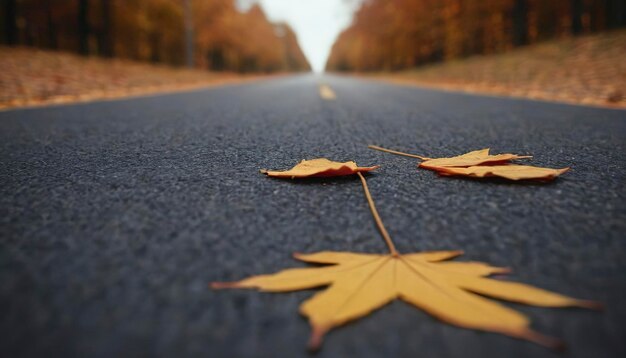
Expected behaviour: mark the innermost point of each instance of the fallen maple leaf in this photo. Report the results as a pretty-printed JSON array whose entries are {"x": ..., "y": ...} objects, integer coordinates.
[
  {"x": 321, "y": 167},
  {"x": 451, "y": 291},
  {"x": 477, "y": 157},
  {"x": 511, "y": 172},
  {"x": 480, "y": 164}
]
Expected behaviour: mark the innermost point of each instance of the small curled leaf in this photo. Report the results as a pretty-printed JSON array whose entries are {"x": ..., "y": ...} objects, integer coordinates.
[{"x": 319, "y": 168}]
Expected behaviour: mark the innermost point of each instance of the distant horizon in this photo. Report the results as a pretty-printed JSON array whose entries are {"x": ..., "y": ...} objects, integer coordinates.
[{"x": 316, "y": 24}]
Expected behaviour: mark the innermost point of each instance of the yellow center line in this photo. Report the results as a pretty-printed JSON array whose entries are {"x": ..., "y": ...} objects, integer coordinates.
[{"x": 327, "y": 93}]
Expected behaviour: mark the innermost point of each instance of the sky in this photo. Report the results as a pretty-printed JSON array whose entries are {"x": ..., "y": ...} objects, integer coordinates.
[{"x": 317, "y": 23}]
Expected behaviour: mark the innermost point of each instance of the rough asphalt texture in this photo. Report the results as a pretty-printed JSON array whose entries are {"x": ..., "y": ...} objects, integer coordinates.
[{"x": 114, "y": 217}]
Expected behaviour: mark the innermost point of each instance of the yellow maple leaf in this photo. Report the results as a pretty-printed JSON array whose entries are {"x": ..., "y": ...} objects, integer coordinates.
[
  {"x": 480, "y": 164},
  {"x": 477, "y": 157},
  {"x": 320, "y": 167},
  {"x": 511, "y": 172},
  {"x": 451, "y": 291}
]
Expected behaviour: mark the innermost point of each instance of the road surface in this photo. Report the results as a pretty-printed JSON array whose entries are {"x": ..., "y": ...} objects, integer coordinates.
[{"x": 114, "y": 217}]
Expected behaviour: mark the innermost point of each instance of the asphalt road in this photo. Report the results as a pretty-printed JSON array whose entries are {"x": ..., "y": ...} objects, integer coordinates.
[{"x": 114, "y": 217}]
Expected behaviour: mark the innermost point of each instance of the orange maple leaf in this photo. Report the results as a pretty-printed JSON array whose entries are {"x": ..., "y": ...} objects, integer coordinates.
[
  {"x": 450, "y": 291},
  {"x": 480, "y": 164},
  {"x": 321, "y": 167},
  {"x": 511, "y": 171}
]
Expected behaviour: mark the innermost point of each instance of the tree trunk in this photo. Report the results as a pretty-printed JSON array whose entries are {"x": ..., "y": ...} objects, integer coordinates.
[
  {"x": 615, "y": 14},
  {"x": 52, "y": 31},
  {"x": 189, "y": 45},
  {"x": 83, "y": 27},
  {"x": 106, "y": 34},
  {"x": 577, "y": 16},
  {"x": 155, "y": 46},
  {"x": 10, "y": 22},
  {"x": 520, "y": 23}
]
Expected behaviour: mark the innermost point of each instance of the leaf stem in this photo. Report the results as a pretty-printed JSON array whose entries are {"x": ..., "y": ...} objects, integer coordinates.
[
  {"x": 379, "y": 222},
  {"x": 397, "y": 153}
]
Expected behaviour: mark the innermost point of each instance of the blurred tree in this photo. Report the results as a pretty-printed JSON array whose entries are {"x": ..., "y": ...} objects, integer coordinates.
[
  {"x": 83, "y": 27},
  {"x": 615, "y": 13},
  {"x": 51, "y": 28},
  {"x": 294, "y": 59},
  {"x": 227, "y": 39},
  {"x": 520, "y": 22},
  {"x": 397, "y": 34},
  {"x": 107, "y": 37},
  {"x": 577, "y": 16},
  {"x": 189, "y": 47},
  {"x": 10, "y": 22},
  {"x": 222, "y": 38}
]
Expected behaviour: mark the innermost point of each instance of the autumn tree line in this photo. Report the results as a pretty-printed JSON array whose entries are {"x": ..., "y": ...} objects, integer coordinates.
[
  {"x": 399, "y": 34},
  {"x": 212, "y": 34}
]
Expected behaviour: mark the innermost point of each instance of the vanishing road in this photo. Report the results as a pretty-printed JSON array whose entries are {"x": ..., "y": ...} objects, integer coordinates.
[{"x": 114, "y": 217}]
